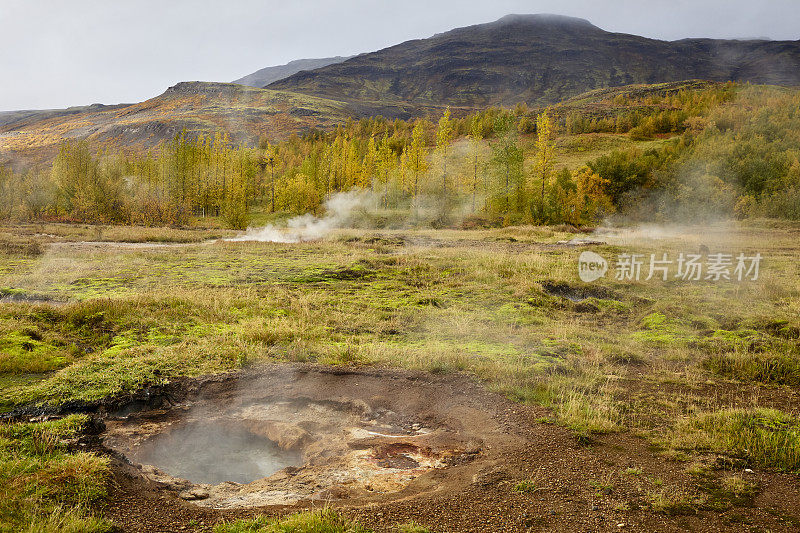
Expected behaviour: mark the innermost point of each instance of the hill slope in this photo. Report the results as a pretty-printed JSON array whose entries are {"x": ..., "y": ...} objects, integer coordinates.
[
  {"x": 539, "y": 59},
  {"x": 32, "y": 115},
  {"x": 268, "y": 75},
  {"x": 245, "y": 113}
]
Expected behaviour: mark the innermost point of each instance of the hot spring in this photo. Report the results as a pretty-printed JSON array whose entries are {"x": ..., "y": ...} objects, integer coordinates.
[
  {"x": 289, "y": 436},
  {"x": 215, "y": 452}
]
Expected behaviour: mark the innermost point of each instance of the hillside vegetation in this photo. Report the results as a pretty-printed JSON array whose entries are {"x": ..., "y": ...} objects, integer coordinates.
[
  {"x": 245, "y": 114},
  {"x": 664, "y": 150},
  {"x": 533, "y": 59}
]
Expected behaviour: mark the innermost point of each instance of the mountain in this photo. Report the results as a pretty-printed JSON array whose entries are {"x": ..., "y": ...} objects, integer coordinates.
[
  {"x": 265, "y": 76},
  {"x": 538, "y": 59},
  {"x": 32, "y": 115},
  {"x": 245, "y": 113}
]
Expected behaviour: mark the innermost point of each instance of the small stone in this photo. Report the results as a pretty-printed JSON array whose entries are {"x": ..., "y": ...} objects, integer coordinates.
[{"x": 194, "y": 494}]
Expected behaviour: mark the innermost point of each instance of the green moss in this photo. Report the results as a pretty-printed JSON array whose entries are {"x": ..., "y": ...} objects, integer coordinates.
[
  {"x": 23, "y": 352},
  {"x": 87, "y": 288},
  {"x": 610, "y": 306},
  {"x": 737, "y": 335},
  {"x": 661, "y": 330}
]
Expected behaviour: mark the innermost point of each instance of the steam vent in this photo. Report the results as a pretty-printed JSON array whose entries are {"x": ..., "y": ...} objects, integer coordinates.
[{"x": 303, "y": 434}]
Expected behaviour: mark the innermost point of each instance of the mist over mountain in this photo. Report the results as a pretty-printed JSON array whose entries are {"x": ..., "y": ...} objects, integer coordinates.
[
  {"x": 539, "y": 59},
  {"x": 268, "y": 75}
]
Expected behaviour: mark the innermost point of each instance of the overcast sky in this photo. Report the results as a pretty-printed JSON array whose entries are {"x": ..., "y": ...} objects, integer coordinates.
[{"x": 58, "y": 53}]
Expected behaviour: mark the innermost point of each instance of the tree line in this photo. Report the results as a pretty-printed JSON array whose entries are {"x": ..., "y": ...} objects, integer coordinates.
[
  {"x": 471, "y": 166},
  {"x": 495, "y": 166}
]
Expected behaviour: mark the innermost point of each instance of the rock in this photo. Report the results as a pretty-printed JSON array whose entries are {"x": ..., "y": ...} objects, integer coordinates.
[
  {"x": 487, "y": 478},
  {"x": 194, "y": 494},
  {"x": 287, "y": 436},
  {"x": 150, "y": 469}
]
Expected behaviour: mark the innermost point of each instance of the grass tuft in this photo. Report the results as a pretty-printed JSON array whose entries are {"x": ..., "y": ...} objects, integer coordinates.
[
  {"x": 781, "y": 369},
  {"x": 317, "y": 521},
  {"x": 674, "y": 502},
  {"x": 526, "y": 486},
  {"x": 412, "y": 527},
  {"x": 763, "y": 437}
]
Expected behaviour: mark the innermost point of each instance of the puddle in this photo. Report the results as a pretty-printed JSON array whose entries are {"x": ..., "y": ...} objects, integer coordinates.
[{"x": 581, "y": 242}]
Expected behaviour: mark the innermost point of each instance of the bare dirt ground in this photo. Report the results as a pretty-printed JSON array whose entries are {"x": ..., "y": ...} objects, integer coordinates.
[{"x": 577, "y": 486}]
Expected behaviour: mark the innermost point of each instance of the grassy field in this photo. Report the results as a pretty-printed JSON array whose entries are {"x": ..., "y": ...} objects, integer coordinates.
[{"x": 703, "y": 370}]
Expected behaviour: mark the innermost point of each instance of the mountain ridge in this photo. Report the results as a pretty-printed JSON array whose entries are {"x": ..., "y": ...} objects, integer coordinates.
[
  {"x": 539, "y": 59},
  {"x": 267, "y": 75},
  {"x": 245, "y": 114}
]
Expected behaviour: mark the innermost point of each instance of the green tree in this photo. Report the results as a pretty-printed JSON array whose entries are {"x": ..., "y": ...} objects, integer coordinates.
[
  {"x": 444, "y": 136},
  {"x": 476, "y": 135},
  {"x": 544, "y": 160},
  {"x": 507, "y": 159},
  {"x": 415, "y": 155}
]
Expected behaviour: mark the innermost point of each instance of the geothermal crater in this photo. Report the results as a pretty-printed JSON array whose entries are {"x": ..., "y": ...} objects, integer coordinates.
[{"x": 289, "y": 434}]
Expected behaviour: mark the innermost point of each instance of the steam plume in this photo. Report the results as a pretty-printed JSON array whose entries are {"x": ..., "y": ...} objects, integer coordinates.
[{"x": 341, "y": 209}]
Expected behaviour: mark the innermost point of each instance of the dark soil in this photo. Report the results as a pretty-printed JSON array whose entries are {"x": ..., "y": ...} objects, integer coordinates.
[{"x": 577, "y": 293}]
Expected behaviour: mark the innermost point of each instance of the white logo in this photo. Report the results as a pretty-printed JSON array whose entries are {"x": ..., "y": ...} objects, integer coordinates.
[
  {"x": 714, "y": 267},
  {"x": 591, "y": 266}
]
